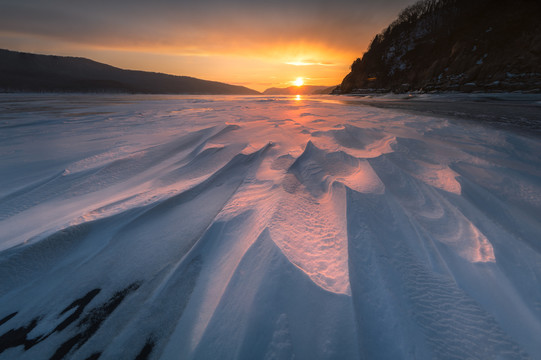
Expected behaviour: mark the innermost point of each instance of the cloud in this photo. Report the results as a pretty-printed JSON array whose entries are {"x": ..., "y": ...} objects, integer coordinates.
[
  {"x": 260, "y": 43},
  {"x": 245, "y": 27},
  {"x": 310, "y": 63}
]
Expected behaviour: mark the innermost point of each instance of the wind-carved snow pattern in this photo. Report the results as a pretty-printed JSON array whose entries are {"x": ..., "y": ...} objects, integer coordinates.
[{"x": 148, "y": 227}]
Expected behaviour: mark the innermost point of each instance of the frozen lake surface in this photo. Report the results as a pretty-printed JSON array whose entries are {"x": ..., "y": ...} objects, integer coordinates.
[{"x": 185, "y": 227}]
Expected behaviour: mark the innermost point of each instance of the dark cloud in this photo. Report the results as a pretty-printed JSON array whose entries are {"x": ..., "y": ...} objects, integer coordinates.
[{"x": 200, "y": 26}]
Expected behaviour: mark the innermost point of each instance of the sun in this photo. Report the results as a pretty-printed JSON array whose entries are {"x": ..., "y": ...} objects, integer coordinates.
[{"x": 299, "y": 82}]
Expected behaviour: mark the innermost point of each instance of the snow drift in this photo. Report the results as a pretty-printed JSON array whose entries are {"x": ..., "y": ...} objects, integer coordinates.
[{"x": 263, "y": 228}]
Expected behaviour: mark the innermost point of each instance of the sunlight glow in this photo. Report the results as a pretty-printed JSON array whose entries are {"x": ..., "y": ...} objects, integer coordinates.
[
  {"x": 298, "y": 98},
  {"x": 309, "y": 63},
  {"x": 298, "y": 82}
]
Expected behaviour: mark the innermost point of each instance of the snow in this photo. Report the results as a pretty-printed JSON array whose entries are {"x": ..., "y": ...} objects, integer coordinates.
[{"x": 196, "y": 227}]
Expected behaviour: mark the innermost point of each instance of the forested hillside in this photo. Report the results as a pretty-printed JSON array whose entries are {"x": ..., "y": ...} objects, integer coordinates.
[{"x": 462, "y": 45}]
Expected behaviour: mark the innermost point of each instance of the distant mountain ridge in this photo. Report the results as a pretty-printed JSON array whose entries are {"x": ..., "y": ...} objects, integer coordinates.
[
  {"x": 299, "y": 90},
  {"x": 454, "y": 45},
  {"x": 48, "y": 73}
]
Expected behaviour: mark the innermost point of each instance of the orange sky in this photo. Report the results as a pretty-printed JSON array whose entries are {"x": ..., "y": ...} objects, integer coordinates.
[{"x": 258, "y": 44}]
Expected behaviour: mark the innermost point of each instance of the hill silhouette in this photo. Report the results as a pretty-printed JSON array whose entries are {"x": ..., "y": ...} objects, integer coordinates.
[
  {"x": 299, "y": 90},
  {"x": 47, "y": 73}
]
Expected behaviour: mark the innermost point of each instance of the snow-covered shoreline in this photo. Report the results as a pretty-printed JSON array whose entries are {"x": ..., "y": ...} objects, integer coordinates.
[{"x": 263, "y": 228}]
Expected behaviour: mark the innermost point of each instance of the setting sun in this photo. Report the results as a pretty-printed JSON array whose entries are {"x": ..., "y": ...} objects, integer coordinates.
[{"x": 299, "y": 82}]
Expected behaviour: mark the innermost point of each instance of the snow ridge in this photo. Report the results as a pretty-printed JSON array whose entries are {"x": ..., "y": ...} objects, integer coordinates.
[{"x": 263, "y": 228}]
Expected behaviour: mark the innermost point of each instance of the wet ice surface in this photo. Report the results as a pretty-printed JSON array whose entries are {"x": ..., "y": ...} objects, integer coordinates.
[
  {"x": 510, "y": 111},
  {"x": 263, "y": 228}
]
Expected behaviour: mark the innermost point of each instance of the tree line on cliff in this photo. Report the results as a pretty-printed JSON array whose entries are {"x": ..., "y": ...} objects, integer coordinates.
[{"x": 454, "y": 45}]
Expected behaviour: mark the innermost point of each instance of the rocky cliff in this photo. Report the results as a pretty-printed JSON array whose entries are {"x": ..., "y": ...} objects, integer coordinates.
[{"x": 454, "y": 45}]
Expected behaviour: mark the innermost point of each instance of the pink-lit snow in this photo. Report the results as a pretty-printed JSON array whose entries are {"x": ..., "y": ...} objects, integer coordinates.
[{"x": 185, "y": 227}]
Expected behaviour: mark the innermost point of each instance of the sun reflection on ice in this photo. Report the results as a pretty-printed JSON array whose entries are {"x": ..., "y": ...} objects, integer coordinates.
[{"x": 298, "y": 98}]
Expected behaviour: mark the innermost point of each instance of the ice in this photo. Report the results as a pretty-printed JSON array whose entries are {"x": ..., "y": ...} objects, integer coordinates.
[{"x": 198, "y": 227}]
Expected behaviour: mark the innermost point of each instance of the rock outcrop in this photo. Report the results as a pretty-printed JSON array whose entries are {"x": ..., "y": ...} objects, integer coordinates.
[{"x": 454, "y": 45}]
